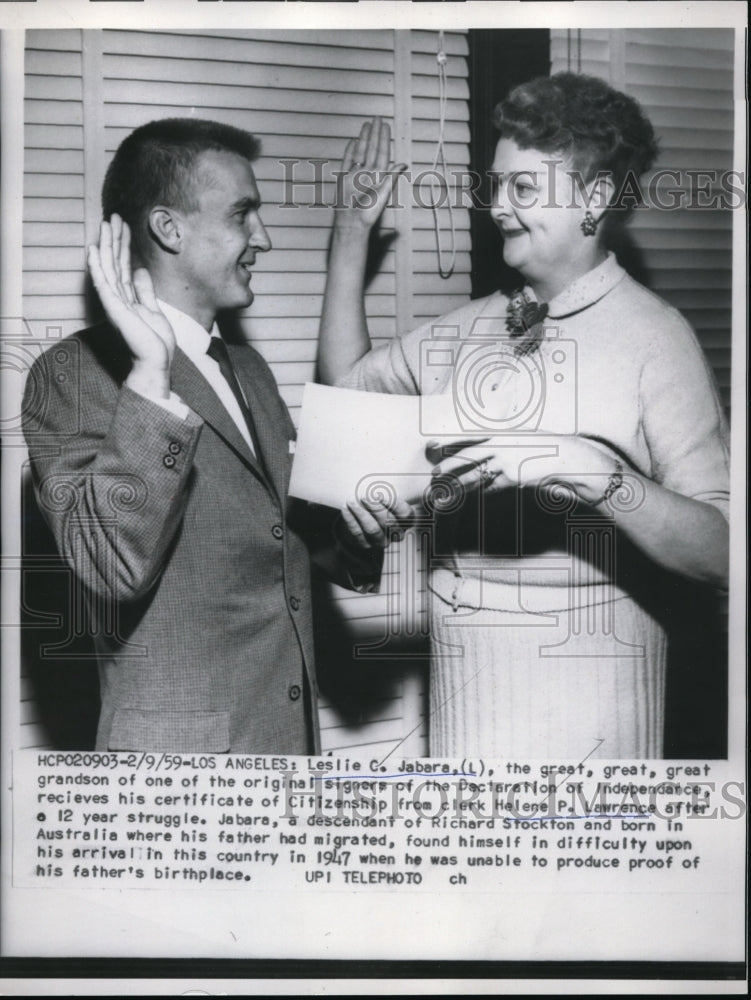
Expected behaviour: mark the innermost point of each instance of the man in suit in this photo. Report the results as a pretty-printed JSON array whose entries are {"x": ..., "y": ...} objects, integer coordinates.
[{"x": 161, "y": 461}]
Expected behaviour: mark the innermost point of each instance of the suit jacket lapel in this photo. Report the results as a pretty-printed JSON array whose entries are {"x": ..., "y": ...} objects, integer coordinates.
[
  {"x": 264, "y": 408},
  {"x": 193, "y": 388}
]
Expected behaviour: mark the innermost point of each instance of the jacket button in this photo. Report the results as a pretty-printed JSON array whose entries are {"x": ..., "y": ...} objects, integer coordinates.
[
  {"x": 294, "y": 603},
  {"x": 174, "y": 448},
  {"x": 169, "y": 461},
  {"x": 277, "y": 531},
  {"x": 294, "y": 692}
]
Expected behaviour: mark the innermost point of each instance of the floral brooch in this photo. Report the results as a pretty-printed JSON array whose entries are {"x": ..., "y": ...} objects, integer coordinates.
[{"x": 524, "y": 318}]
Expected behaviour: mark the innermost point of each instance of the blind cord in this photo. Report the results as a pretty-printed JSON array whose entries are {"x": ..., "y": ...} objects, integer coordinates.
[{"x": 439, "y": 167}]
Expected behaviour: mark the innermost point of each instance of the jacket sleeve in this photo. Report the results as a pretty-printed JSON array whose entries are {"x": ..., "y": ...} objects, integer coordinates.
[{"x": 111, "y": 471}]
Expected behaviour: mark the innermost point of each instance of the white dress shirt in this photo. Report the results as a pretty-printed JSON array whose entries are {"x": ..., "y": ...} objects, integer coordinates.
[{"x": 193, "y": 340}]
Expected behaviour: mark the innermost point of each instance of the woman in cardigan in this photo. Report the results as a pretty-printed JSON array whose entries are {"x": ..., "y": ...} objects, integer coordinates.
[{"x": 595, "y": 469}]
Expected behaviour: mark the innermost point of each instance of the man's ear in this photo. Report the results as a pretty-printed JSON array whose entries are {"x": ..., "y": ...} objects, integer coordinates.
[{"x": 165, "y": 226}]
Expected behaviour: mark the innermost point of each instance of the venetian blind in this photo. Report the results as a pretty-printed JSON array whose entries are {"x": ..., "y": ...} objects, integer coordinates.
[
  {"x": 684, "y": 80},
  {"x": 305, "y": 93},
  {"x": 53, "y": 261}
]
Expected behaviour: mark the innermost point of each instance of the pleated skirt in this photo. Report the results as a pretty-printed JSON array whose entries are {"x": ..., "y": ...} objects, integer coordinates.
[{"x": 564, "y": 685}]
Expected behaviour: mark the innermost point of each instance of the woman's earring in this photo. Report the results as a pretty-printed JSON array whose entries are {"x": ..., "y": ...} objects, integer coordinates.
[{"x": 588, "y": 224}]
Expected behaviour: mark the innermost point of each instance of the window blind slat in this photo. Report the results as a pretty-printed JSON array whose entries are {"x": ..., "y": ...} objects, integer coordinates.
[
  {"x": 670, "y": 97},
  {"x": 53, "y": 282},
  {"x": 55, "y": 308},
  {"x": 46, "y": 234},
  {"x": 56, "y": 40},
  {"x": 675, "y": 77},
  {"x": 52, "y": 210},
  {"x": 665, "y": 55},
  {"x": 53, "y": 137},
  {"x": 61, "y": 161},
  {"x": 258, "y": 49},
  {"x": 690, "y": 40},
  {"x": 48, "y": 63},
  {"x": 148, "y": 93},
  {"x": 53, "y": 113},
  {"x": 54, "y": 258},
  {"x": 53, "y": 87},
  {"x": 684, "y": 80},
  {"x": 130, "y": 68},
  {"x": 63, "y": 185},
  {"x": 122, "y": 119}
]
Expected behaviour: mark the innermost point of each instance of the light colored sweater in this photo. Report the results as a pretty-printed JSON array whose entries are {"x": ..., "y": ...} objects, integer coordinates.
[{"x": 617, "y": 364}]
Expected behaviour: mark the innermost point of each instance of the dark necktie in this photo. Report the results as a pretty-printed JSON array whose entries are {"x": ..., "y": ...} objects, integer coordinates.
[{"x": 217, "y": 350}]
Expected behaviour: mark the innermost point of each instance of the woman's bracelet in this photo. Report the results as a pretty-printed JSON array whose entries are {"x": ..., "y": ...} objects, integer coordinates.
[{"x": 614, "y": 483}]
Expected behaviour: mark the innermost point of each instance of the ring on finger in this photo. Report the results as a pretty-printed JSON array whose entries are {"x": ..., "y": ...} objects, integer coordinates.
[{"x": 486, "y": 474}]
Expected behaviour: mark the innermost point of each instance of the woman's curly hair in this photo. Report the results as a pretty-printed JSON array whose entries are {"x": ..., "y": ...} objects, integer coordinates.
[{"x": 596, "y": 127}]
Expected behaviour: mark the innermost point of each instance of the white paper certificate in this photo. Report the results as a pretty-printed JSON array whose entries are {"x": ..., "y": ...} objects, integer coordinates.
[{"x": 354, "y": 445}]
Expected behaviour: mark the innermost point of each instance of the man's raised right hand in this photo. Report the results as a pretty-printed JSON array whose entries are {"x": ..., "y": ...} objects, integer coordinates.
[{"x": 131, "y": 306}]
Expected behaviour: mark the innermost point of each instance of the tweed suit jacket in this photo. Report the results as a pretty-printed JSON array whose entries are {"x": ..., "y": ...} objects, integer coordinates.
[{"x": 197, "y": 585}]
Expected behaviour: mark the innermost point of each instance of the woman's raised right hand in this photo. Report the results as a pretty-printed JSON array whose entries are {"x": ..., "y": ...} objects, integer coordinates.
[{"x": 366, "y": 177}]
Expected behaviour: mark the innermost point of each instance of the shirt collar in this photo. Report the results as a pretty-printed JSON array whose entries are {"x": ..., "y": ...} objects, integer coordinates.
[
  {"x": 587, "y": 290},
  {"x": 191, "y": 337}
]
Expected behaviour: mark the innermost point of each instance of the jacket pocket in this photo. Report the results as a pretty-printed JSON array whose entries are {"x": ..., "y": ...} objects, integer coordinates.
[{"x": 171, "y": 732}]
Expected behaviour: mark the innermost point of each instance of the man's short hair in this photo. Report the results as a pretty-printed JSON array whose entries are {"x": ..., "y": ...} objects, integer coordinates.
[{"x": 155, "y": 165}]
